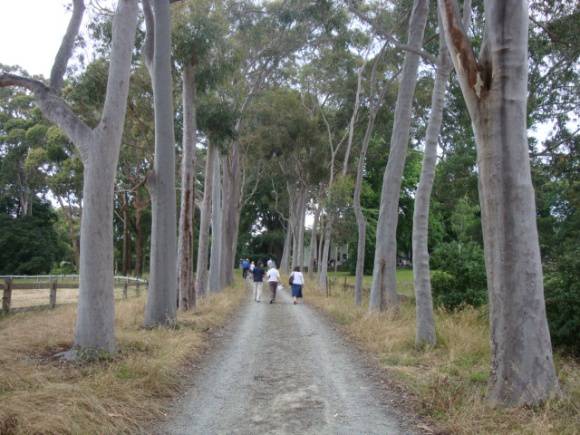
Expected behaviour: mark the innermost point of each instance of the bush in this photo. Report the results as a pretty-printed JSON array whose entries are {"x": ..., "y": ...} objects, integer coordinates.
[
  {"x": 562, "y": 289},
  {"x": 460, "y": 275}
]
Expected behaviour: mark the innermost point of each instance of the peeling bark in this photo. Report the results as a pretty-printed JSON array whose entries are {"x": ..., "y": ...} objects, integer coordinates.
[
  {"x": 201, "y": 283},
  {"x": 522, "y": 367},
  {"x": 185, "y": 278}
]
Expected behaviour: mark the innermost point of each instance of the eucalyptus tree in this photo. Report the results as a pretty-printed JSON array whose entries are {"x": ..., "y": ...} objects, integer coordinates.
[
  {"x": 284, "y": 137},
  {"x": 383, "y": 289},
  {"x": 266, "y": 39},
  {"x": 99, "y": 150},
  {"x": 161, "y": 297},
  {"x": 375, "y": 99},
  {"x": 494, "y": 86},
  {"x": 425, "y": 330}
]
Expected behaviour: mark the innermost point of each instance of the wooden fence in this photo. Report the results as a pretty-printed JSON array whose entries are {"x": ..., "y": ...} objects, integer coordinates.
[{"x": 24, "y": 292}]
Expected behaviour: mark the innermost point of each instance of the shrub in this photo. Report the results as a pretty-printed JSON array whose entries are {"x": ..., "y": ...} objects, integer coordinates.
[
  {"x": 460, "y": 276},
  {"x": 562, "y": 289}
]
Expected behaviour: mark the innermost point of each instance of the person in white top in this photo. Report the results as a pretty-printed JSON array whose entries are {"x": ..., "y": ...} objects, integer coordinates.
[
  {"x": 273, "y": 279},
  {"x": 297, "y": 282}
]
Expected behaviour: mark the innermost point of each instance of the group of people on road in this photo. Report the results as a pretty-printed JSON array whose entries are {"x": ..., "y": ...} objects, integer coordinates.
[{"x": 255, "y": 273}]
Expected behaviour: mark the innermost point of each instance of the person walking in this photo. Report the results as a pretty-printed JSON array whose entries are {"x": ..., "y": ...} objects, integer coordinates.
[
  {"x": 258, "y": 274},
  {"x": 296, "y": 280},
  {"x": 273, "y": 279},
  {"x": 245, "y": 267}
]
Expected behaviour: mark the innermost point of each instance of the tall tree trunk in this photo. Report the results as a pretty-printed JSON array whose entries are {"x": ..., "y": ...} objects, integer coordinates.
[
  {"x": 138, "y": 243},
  {"x": 425, "y": 331},
  {"x": 126, "y": 235},
  {"x": 313, "y": 242},
  {"x": 231, "y": 210},
  {"x": 185, "y": 279},
  {"x": 320, "y": 242},
  {"x": 301, "y": 216},
  {"x": 216, "y": 228},
  {"x": 383, "y": 290},
  {"x": 285, "y": 261},
  {"x": 204, "y": 221},
  {"x": 99, "y": 150},
  {"x": 495, "y": 91},
  {"x": 323, "y": 268},
  {"x": 162, "y": 294},
  {"x": 361, "y": 221}
]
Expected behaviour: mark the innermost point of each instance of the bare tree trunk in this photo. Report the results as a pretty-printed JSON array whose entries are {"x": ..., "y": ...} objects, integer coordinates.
[
  {"x": 232, "y": 203},
  {"x": 292, "y": 221},
  {"x": 313, "y": 242},
  {"x": 201, "y": 283},
  {"x": 185, "y": 279},
  {"x": 383, "y": 290},
  {"x": 126, "y": 235},
  {"x": 323, "y": 276},
  {"x": 216, "y": 228},
  {"x": 162, "y": 294},
  {"x": 301, "y": 216},
  {"x": 495, "y": 91},
  {"x": 320, "y": 242},
  {"x": 138, "y": 244},
  {"x": 425, "y": 331},
  {"x": 361, "y": 221},
  {"x": 99, "y": 150},
  {"x": 284, "y": 262}
]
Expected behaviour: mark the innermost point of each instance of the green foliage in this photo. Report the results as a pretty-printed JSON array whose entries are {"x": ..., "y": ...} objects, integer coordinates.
[
  {"x": 459, "y": 279},
  {"x": 29, "y": 244}
]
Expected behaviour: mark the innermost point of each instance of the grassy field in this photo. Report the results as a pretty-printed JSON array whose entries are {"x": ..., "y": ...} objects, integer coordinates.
[
  {"x": 41, "y": 394},
  {"x": 448, "y": 382}
]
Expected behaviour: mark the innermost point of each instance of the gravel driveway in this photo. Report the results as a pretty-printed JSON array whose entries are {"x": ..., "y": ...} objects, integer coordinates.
[{"x": 282, "y": 369}]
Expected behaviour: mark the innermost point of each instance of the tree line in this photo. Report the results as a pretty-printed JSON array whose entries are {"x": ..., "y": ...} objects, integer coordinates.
[{"x": 408, "y": 121}]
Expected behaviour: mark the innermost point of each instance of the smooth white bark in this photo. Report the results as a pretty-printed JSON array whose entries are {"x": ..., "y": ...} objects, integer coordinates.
[
  {"x": 215, "y": 261},
  {"x": 99, "y": 149},
  {"x": 383, "y": 290},
  {"x": 313, "y": 241},
  {"x": 495, "y": 90},
  {"x": 162, "y": 295}
]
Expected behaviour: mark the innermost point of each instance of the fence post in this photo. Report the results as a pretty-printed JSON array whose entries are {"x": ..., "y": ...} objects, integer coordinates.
[
  {"x": 53, "y": 286},
  {"x": 125, "y": 288},
  {"x": 7, "y": 295}
]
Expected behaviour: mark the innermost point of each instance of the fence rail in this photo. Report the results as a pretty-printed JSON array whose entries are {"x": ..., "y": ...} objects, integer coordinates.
[{"x": 21, "y": 292}]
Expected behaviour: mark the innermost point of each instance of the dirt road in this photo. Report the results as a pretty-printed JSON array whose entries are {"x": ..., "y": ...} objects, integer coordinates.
[{"x": 282, "y": 369}]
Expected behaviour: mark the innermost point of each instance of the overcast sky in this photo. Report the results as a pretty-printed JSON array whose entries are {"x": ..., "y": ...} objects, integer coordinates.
[{"x": 30, "y": 33}]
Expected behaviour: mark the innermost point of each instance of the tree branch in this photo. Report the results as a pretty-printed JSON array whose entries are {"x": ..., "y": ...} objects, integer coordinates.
[
  {"x": 388, "y": 35},
  {"x": 66, "y": 47},
  {"x": 148, "y": 46},
  {"x": 53, "y": 108}
]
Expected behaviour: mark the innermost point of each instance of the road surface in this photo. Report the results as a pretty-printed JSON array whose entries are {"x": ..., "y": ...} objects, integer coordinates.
[{"x": 282, "y": 369}]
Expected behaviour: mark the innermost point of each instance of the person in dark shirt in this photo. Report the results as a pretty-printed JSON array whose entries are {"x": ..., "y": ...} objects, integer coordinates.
[
  {"x": 245, "y": 267},
  {"x": 258, "y": 274}
]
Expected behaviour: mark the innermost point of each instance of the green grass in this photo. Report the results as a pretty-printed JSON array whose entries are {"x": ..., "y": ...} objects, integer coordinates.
[{"x": 404, "y": 281}]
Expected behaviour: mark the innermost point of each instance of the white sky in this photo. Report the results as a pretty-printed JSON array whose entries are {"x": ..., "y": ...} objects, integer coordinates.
[{"x": 30, "y": 33}]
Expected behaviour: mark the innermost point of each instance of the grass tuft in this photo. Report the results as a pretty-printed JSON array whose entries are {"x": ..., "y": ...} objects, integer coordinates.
[
  {"x": 118, "y": 393},
  {"x": 449, "y": 381}
]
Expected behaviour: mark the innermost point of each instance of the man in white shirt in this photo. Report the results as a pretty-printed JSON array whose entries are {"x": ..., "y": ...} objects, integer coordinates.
[{"x": 273, "y": 279}]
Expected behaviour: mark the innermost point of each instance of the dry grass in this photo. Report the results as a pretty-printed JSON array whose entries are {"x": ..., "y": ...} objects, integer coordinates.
[
  {"x": 39, "y": 394},
  {"x": 449, "y": 381}
]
